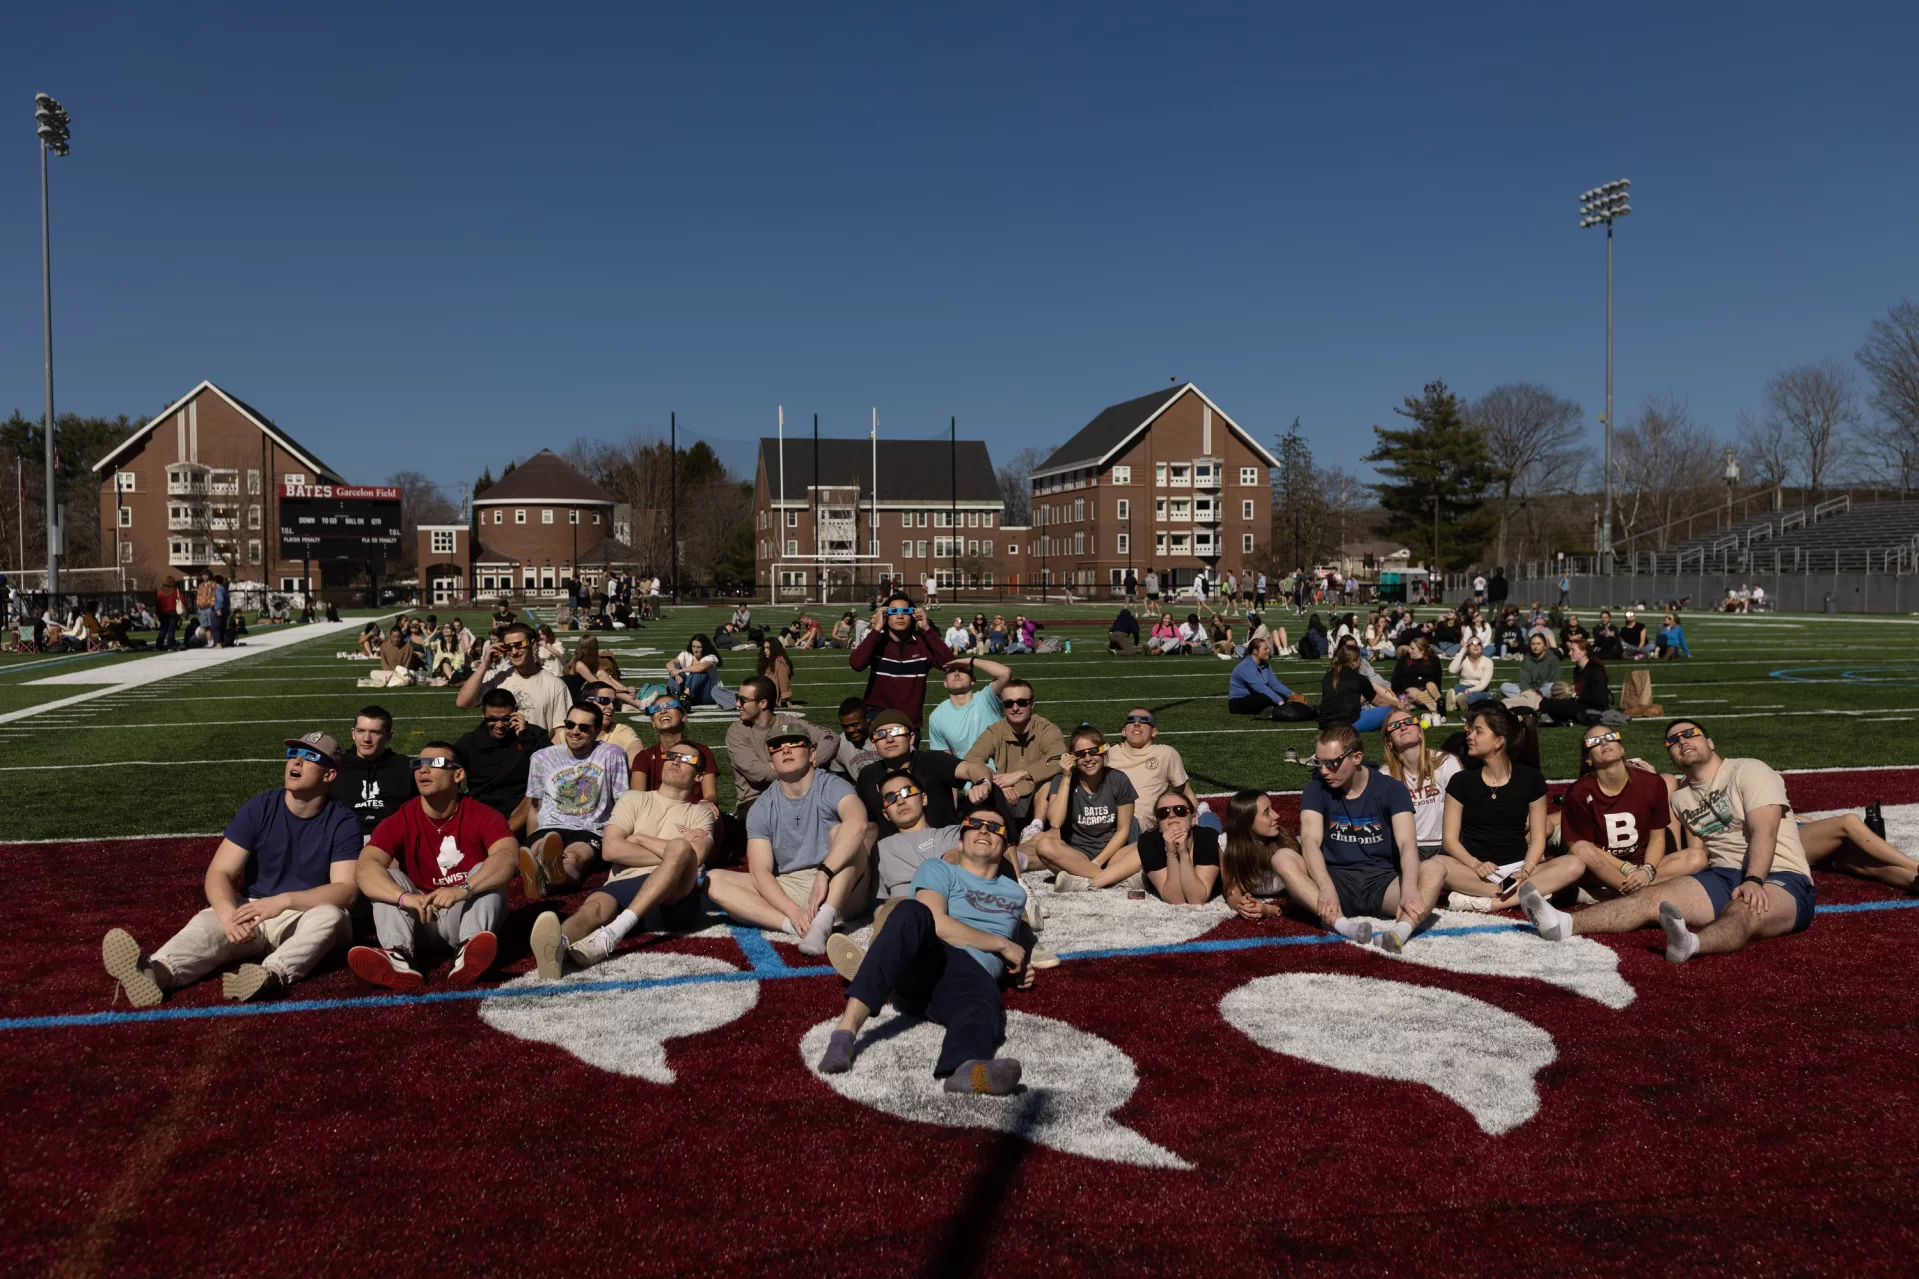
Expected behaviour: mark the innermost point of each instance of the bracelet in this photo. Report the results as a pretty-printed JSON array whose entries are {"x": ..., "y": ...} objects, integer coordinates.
[
  {"x": 1753, "y": 879},
  {"x": 402, "y": 902}
]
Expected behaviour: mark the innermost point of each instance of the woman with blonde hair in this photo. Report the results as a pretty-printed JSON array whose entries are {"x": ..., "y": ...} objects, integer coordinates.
[
  {"x": 1249, "y": 862},
  {"x": 1423, "y": 771}
]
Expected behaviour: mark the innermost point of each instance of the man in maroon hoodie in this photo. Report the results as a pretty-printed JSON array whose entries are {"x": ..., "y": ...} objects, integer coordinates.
[{"x": 898, "y": 653}]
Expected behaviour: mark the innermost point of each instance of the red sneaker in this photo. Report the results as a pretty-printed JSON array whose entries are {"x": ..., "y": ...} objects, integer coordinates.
[
  {"x": 475, "y": 958},
  {"x": 388, "y": 968}
]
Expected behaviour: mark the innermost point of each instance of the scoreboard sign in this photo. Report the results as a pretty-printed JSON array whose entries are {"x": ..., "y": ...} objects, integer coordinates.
[{"x": 339, "y": 522}]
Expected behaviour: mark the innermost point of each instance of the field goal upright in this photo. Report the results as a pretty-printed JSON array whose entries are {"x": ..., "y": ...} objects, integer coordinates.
[{"x": 821, "y": 579}]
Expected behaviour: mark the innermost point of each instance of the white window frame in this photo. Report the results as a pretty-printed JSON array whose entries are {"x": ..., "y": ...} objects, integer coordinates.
[
  {"x": 126, "y": 481},
  {"x": 986, "y": 521},
  {"x": 253, "y": 515},
  {"x": 126, "y": 552},
  {"x": 253, "y": 550},
  {"x": 906, "y": 549},
  {"x": 546, "y": 515},
  {"x": 253, "y": 482},
  {"x": 519, "y": 515},
  {"x": 596, "y": 517},
  {"x": 1159, "y": 510},
  {"x": 1182, "y": 510},
  {"x": 125, "y": 517},
  {"x": 1159, "y": 543},
  {"x": 1179, "y": 475},
  {"x": 792, "y": 546},
  {"x": 294, "y": 477},
  {"x": 922, "y": 550},
  {"x": 572, "y": 515},
  {"x": 1245, "y": 543},
  {"x": 906, "y": 519},
  {"x": 1249, "y": 475},
  {"x": 1159, "y": 475},
  {"x": 792, "y": 519},
  {"x": 1125, "y": 544},
  {"x": 1122, "y": 475},
  {"x": 1181, "y": 544},
  {"x": 443, "y": 541},
  {"x": 1246, "y": 509},
  {"x": 1125, "y": 508}
]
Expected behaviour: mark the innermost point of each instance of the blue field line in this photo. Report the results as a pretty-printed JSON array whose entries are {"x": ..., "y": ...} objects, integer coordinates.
[{"x": 767, "y": 966}]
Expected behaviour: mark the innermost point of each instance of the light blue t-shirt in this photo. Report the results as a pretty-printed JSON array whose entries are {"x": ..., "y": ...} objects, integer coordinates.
[
  {"x": 990, "y": 905},
  {"x": 955, "y": 728}
]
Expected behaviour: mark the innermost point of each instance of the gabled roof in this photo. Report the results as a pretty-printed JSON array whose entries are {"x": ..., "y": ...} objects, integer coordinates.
[
  {"x": 544, "y": 477},
  {"x": 320, "y": 469},
  {"x": 1109, "y": 434},
  {"x": 910, "y": 470}
]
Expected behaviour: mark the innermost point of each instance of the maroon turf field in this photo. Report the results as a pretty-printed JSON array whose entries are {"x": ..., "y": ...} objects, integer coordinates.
[{"x": 1743, "y": 1115}]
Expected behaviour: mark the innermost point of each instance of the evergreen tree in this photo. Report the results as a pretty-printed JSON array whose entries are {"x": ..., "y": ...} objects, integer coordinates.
[
  {"x": 1436, "y": 476},
  {"x": 481, "y": 485},
  {"x": 1299, "y": 508}
]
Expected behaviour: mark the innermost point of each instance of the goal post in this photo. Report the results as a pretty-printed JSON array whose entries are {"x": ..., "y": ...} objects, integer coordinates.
[{"x": 825, "y": 579}]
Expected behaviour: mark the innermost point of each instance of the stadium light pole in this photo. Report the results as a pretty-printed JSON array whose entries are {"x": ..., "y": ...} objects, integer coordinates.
[
  {"x": 53, "y": 127},
  {"x": 1605, "y": 204}
]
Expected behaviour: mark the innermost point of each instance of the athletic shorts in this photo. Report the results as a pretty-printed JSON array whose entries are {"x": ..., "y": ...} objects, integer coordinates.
[
  {"x": 1362, "y": 889},
  {"x": 567, "y": 836},
  {"x": 798, "y": 887},
  {"x": 624, "y": 889},
  {"x": 1720, "y": 881}
]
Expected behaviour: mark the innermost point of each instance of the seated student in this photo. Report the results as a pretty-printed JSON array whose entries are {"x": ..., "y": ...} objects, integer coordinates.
[
  {"x": 1276, "y": 642},
  {"x": 574, "y": 786},
  {"x": 1122, "y": 636},
  {"x": 999, "y": 635},
  {"x": 436, "y": 872},
  {"x": 293, "y": 850},
  {"x": 958, "y": 637},
  {"x": 605, "y": 699},
  {"x": 1254, "y": 690},
  {"x": 1089, "y": 819},
  {"x": 669, "y": 726},
  {"x": 370, "y": 640},
  {"x": 1475, "y": 672},
  {"x": 806, "y": 864},
  {"x": 1612, "y": 823},
  {"x": 1023, "y": 750},
  {"x": 1192, "y": 636},
  {"x": 747, "y": 742},
  {"x": 968, "y": 710},
  {"x": 694, "y": 676},
  {"x": 1179, "y": 858},
  {"x": 496, "y": 757},
  {"x": 655, "y": 841},
  {"x": 1153, "y": 767},
  {"x": 397, "y": 658},
  {"x": 1249, "y": 864},
  {"x": 1424, "y": 772},
  {"x": 1742, "y": 876},
  {"x": 373, "y": 781},
  {"x": 1495, "y": 811},
  {"x": 855, "y": 749},
  {"x": 1219, "y": 634},
  {"x": 775, "y": 665},
  {"x": 845, "y": 631},
  {"x": 1633, "y": 642},
  {"x": 1347, "y": 697},
  {"x": 1358, "y": 853},
  {"x": 1509, "y": 635},
  {"x": 1446, "y": 635},
  {"x": 1671, "y": 641},
  {"x": 937, "y": 773},
  {"x": 1164, "y": 637},
  {"x": 1538, "y": 669},
  {"x": 542, "y": 698},
  {"x": 445, "y": 658},
  {"x": 1416, "y": 675},
  {"x": 941, "y": 956},
  {"x": 1592, "y": 695},
  {"x": 1605, "y": 636}
]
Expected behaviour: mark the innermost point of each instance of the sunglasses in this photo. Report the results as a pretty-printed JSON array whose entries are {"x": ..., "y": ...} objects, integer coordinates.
[
  {"x": 1089, "y": 752},
  {"x": 894, "y": 797},
  {"x": 1327, "y": 765},
  {"x": 892, "y": 730},
  {"x": 434, "y": 761},
  {"x": 601, "y": 701},
  {"x": 515, "y": 646},
  {"x": 676, "y": 757},
  {"x": 1679, "y": 735},
  {"x": 1016, "y": 701},
  {"x": 497, "y": 721},
  {"x": 574, "y": 726},
  {"x": 1398, "y": 724},
  {"x": 306, "y": 753},
  {"x": 899, "y": 612},
  {"x": 980, "y": 823},
  {"x": 1139, "y": 719},
  {"x": 1601, "y": 739},
  {"x": 1174, "y": 810}
]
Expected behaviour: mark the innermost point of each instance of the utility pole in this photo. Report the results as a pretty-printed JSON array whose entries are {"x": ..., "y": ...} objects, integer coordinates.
[
  {"x": 952, "y": 464},
  {"x": 1604, "y": 204},
  {"x": 53, "y": 127},
  {"x": 673, "y": 525}
]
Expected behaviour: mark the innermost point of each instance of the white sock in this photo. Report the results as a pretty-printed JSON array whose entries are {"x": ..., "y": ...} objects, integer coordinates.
[
  {"x": 1681, "y": 942},
  {"x": 814, "y": 942},
  {"x": 1353, "y": 929},
  {"x": 786, "y": 926},
  {"x": 1401, "y": 929},
  {"x": 617, "y": 930}
]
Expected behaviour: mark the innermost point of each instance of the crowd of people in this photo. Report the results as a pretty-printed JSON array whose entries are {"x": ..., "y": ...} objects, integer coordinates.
[{"x": 938, "y": 826}]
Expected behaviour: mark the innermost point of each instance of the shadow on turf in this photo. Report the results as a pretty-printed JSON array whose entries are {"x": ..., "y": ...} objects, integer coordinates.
[{"x": 962, "y": 1247}]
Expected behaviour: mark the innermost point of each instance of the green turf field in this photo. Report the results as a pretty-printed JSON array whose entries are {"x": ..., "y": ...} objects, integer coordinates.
[{"x": 179, "y": 756}]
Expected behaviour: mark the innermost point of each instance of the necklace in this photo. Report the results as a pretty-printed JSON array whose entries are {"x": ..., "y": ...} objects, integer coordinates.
[{"x": 439, "y": 828}]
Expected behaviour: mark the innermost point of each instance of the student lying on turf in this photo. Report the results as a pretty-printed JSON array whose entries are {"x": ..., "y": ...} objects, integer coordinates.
[
  {"x": 435, "y": 871},
  {"x": 941, "y": 956},
  {"x": 654, "y": 841},
  {"x": 293, "y": 850},
  {"x": 1742, "y": 876}
]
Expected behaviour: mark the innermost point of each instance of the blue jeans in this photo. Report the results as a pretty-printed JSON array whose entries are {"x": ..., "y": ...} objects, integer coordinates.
[
  {"x": 169, "y": 623},
  {"x": 1017, "y": 647},
  {"x": 1371, "y": 718},
  {"x": 694, "y": 689},
  {"x": 1446, "y": 650},
  {"x": 1473, "y": 699}
]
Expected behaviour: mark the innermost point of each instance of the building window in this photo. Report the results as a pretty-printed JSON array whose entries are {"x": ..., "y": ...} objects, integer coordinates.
[
  {"x": 793, "y": 579},
  {"x": 1179, "y": 543},
  {"x": 921, "y": 515},
  {"x": 253, "y": 483},
  {"x": 1079, "y": 509},
  {"x": 546, "y": 515},
  {"x": 1125, "y": 544},
  {"x": 124, "y": 481},
  {"x": 972, "y": 519},
  {"x": 1012, "y": 548},
  {"x": 1159, "y": 543},
  {"x": 1182, "y": 509},
  {"x": 906, "y": 550},
  {"x": 126, "y": 552},
  {"x": 1246, "y": 509},
  {"x": 1180, "y": 476},
  {"x": 1159, "y": 474},
  {"x": 1245, "y": 543},
  {"x": 294, "y": 477},
  {"x": 922, "y": 551},
  {"x": 792, "y": 519},
  {"x": 1122, "y": 475},
  {"x": 125, "y": 515},
  {"x": 253, "y": 550},
  {"x": 1203, "y": 542},
  {"x": 596, "y": 517},
  {"x": 573, "y": 515},
  {"x": 443, "y": 541},
  {"x": 519, "y": 516},
  {"x": 1159, "y": 509},
  {"x": 1125, "y": 508},
  {"x": 906, "y": 519},
  {"x": 499, "y": 516},
  {"x": 1079, "y": 543},
  {"x": 253, "y": 515},
  {"x": 792, "y": 546}
]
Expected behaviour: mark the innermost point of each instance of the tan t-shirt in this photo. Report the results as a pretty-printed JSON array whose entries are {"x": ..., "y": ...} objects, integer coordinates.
[
  {"x": 623, "y": 737},
  {"x": 1718, "y": 815},
  {"x": 544, "y": 699},
  {"x": 652, "y": 814},
  {"x": 1152, "y": 771}
]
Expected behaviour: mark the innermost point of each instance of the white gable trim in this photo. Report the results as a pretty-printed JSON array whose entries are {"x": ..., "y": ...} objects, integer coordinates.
[
  {"x": 310, "y": 462},
  {"x": 1127, "y": 442}
]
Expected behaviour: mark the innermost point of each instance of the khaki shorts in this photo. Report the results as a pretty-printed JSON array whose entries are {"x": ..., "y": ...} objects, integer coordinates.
[{"x": 798, "y": 887}]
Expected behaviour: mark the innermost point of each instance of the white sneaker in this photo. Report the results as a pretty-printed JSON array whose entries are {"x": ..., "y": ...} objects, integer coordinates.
[
  {"x": 548, "y": 945},
  {"x": 1481, "y": 905},
  {"x": 1033, "y": 828},
  {"x": 1035, "y": 914},
  {"x": 1065, "y": 883},
  {"x": 590, "y": 950}
]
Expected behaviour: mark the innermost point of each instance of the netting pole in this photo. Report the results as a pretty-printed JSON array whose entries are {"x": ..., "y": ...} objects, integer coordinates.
[{"x": 673, "y": 526}]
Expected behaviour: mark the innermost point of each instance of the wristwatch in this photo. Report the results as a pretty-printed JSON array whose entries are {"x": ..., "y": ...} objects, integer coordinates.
[{"x": 1753, "y": 879}]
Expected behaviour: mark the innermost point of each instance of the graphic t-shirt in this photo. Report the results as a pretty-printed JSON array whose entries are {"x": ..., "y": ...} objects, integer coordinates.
[
  {"x": 1359, "y": 831},
  {"x": 902, "y": 853},
  {"x": 651, "y": 762},
  {"x": 1153, "y": 770},
  {"x": 954, "y": 728},
  {"x": 800, "y": 829},
  {"x": 1492, "y": 822},
  {"x": 990, "y": 905},
  {"x": 576, "y": 794},
  {"x": 440, "y": 854},
  {"x": 1092, "y": 817},
  {"x": 653, "y": 815},
  {"x": 1717, "y": 814},
  {"x": 1429, "y": 801},
  {"x": 1621, "y": 824},
  {"x": 1152, "y": 853},
  {"x": 288, "y": 854}
]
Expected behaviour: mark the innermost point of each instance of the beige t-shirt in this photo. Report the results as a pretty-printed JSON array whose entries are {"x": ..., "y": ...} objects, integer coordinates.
[
  {"x": 1152, "y": 771},
  {"x": 1718, "y": 815},
  {"x": 652, "y": 814},
  {"x": 542, "y": 698},
  {"x": 623, "y": 737}
]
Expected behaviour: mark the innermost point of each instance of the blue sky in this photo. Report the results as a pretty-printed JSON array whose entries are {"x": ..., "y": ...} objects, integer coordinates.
[{"x": 433, "y": 237}]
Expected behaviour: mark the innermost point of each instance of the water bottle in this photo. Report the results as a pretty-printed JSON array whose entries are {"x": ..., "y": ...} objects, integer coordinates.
[{"x": 1069, "y": 646}]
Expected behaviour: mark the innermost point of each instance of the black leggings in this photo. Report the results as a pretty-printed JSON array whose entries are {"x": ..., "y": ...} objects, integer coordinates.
[
  {"x": 1250, "y": 704},
  {"x": 925, "y": 977}
]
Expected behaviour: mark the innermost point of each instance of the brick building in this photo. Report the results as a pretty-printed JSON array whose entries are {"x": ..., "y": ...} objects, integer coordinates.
[
  {"x": 939, "y": 510},
  {"x": 192, "y": 493},
  {"x": 1166, "y": 481},
  {"x": 539, "y": 525}
]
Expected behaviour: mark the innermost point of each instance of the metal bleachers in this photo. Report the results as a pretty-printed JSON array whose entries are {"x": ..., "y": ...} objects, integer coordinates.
[{"x": 1837, "y": 535}]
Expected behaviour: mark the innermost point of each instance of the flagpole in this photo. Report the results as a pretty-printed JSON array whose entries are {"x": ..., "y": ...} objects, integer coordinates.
[
  {"x": 779, "y": 517},
  {"x": 875, "y": 437}
]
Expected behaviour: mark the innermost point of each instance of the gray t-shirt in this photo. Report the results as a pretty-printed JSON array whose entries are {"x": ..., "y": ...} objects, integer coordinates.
[
  {"x": 801, "y": 830},
  {"x": 1091, "y": 817},
  {"x": 901, "y": 853}
]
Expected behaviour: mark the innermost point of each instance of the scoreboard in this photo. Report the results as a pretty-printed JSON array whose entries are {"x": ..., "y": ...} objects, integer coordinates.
[{"x": 339, "y": 522}]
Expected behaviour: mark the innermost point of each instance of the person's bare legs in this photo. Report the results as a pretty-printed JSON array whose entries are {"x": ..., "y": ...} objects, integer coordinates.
[
  {"x": 1741, "y": 923},
  {"x": 733, "y": 892},
  {"x": 596, "y": 910},
  {"x": 1460, "y": 878},
  {"x": 1641, "y": 909},
  {"x": 576, "y": 863},
  {"x": 1849, "y": 844},
  {"x": 1555, "y": 874},
  {"x": 1063, "y": 858},
  {"x": 1600, "y": 864},
  {"x": 672, "y": 879}
]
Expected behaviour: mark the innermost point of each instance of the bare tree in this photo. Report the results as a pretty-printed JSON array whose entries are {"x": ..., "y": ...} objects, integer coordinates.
[
  {"x": 1815, "y": 405},
  {"x": 1663, "y": 462},
  {"x": 421, "y": 502},
  {"x": 1015, "y": 485},
  {"x": 1535, "y": 439},
  {"x": 1767, "y": 449},
  {"x": 1891, "y": 359}
]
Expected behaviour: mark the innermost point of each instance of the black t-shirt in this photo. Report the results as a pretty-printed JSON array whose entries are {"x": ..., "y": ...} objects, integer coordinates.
[
  {"x": 496, "y": 769},
  {"x": 1633, "y": 633},
  {"x": 1446, "y": 633},
  {"x": 1415, "y": 672},
  {"x": 1492, "y": 824},
  {"x": 1341, "y": 699},
  {"x": 1591, "y": 687},
  {"x": 373, "y": 788},
  {"x": 1152, "y": 853},
  {"x": 935, "y": 772}
]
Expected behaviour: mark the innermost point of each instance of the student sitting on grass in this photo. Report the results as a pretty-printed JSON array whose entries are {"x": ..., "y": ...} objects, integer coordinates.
[
  {"x": 436, "y": 872},
  {"x": 1254, "y": 690},
  {"x": 1538, "y": 669},
  {"x": 1495, "y": 811},
  {"x": 497, "y": 755},
  {"x": 1424, "y": 772},
  {"x": 574, "y": 785},
  {"x": 1475, "y": 672},
  {"x": 1179, "y": 858},
  {"x": 1671, "y": 641},
  {"x": 941, "y": 956},
  {"x": 294, "y": 851},
  {"x": 1089, "y": 819},
  {"x": 1249, "y": 863},
  {"x": 1592, "y": 695}
]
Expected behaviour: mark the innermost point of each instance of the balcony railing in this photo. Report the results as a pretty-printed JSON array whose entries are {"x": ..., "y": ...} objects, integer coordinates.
[
  {"x": 224, "y": 488},
  {"x": 180, "y": 523},
  {"x": 190, "y": 486}
]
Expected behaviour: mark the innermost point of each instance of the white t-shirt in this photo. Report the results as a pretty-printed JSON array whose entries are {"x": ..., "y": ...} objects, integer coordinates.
[
  {"x": 958, "y": 637},
  {"x": 1429, "y": 803},
  {"x": 542, "y": 697}
]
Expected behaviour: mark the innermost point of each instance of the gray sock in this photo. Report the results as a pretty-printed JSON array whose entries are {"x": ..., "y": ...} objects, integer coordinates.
[
  {"x": 1681, "y": 942},
  {"x": 838, "y": 1057},
  {"x": 814, "y": 942},
  {"x": 996, "y": 1077},
  {"x": 1359, "y": 930}
]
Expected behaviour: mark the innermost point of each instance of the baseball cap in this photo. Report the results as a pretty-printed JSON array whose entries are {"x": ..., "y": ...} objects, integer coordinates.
[
  {"x": 884, "y": 718},
  {"x": 322, "y": 742},
  {"x": 781, "y": 734}
]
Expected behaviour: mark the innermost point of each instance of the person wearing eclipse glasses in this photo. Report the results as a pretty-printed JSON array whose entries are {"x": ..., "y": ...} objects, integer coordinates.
[
  {"x": 436, "y": 872},
  {"x": 293, "y": 851},
  {"x": 898, "y": 654},
  {"x": 1089, "y": 820},
  {"x": 541, "y": 696},
  {"x": 937, "y": 773}
]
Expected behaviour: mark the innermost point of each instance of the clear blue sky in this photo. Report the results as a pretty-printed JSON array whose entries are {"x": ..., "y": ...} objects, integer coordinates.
[{"x": 436, "y": 236}]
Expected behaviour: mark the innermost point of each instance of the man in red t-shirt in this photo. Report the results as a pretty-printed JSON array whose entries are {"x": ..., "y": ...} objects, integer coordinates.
[
  {"x": 435, "y": 872},
  {"x": 1615, "y": 817}
]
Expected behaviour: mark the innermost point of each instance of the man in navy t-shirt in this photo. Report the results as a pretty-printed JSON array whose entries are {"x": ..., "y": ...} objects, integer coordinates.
[
  {"x": 294, "y": 850},
  {"x": 1359, "y": 851}
]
